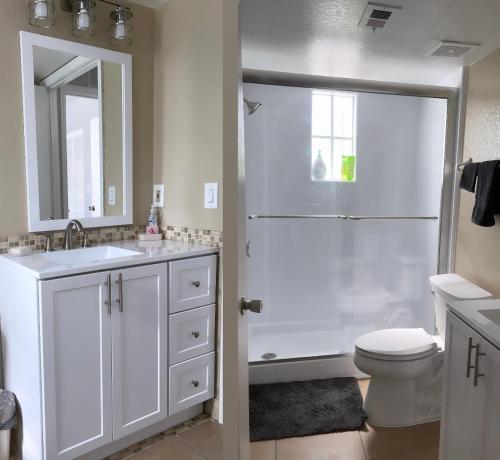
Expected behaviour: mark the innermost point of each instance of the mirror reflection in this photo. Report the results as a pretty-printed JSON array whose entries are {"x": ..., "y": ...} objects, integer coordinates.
[{"x": 79, "y": 129}]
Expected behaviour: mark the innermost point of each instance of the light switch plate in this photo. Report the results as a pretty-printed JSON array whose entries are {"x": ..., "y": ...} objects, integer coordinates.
[
  {"x": 159, "y": 195},
  {"x": 212, "y": 195},
  {"x": 111, "y": 195}
]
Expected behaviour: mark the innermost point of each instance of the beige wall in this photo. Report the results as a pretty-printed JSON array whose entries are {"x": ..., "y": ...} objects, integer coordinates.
[
  {"x": 478, "y": 248},
  {"x": 112, "y": 133},
  {"x": 188, "y": 109},
  {"x": 13, "y": 18}
]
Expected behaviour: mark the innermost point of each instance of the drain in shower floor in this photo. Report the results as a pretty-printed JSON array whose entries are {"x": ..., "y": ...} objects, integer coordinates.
[{"x": 269, "y": 356}]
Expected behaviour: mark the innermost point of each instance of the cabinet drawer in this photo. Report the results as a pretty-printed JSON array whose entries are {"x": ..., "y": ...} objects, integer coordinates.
[
  {"x": 191, "y": 382},
  {"x": 192, "y": 283},
  {"x": 191, "y": 333}
]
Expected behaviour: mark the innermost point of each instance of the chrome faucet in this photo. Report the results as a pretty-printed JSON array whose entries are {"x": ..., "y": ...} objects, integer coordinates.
[{"x": 68, "y": 234}]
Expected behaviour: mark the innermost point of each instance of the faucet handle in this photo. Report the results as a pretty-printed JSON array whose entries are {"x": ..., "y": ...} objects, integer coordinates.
[
  {"x": 85, "y": 240},
  {"x": 49, "y": 241}
]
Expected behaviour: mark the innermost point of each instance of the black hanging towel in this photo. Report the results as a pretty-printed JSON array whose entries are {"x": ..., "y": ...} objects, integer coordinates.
[
  {"x": 487, "y": 193},
  {"x": 469, "y": 176}
]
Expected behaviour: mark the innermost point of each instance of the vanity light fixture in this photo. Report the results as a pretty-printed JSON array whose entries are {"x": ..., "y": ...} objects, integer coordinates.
[
  {"x": 41, "y": 13},
  {"x": 120, "y": 30},
  {"x": 83, "y": 18}
]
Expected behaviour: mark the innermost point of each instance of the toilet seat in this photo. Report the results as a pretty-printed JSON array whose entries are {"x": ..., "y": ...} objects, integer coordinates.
[{"x": 397, "y": 344}]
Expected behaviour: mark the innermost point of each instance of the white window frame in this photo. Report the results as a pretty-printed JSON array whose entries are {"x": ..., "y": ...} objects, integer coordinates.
[{"x": 332, "y": 137}]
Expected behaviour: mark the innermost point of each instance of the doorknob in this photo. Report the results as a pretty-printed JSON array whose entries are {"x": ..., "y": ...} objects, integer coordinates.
[{"x": 255, "y": 306}]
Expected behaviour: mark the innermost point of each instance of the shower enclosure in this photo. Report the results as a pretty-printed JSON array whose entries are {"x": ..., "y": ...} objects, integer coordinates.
[{"x": 343, "y": 198}]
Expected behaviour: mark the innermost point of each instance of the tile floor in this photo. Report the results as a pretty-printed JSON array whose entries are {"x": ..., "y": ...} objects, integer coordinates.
[{"x": 204, "y": 441}]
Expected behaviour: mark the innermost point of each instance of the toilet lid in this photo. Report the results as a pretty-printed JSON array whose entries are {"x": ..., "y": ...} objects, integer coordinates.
[{"x": 396, "y": 342}]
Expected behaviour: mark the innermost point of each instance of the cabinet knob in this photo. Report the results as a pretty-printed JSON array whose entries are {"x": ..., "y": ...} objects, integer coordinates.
[
  {"x": 195, "y": 383},
  {"x": 196, "y": 284},
  {"x": 195, "y": 334}
]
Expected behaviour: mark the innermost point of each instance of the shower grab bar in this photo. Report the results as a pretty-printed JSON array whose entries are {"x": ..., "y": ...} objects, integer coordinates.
[
  {"x": 298, "y": 216},
  {"x": 336, "y": 216},
  {"x": 393, "y": 217}
]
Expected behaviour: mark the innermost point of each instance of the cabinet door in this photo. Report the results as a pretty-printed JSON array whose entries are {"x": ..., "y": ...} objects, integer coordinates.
[
  {"x": 463, "y": 404},
  {"x": 139, "y": 332},
  {"x": 76, "y": 365},
  {"x": 489, "y": 367}
]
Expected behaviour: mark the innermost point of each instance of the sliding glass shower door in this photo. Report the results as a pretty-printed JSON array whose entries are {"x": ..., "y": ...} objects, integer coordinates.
[{"x": 343, "y": 196}]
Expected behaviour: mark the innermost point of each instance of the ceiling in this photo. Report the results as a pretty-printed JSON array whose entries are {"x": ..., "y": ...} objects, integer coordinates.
[{"x": 322, "y": 37}]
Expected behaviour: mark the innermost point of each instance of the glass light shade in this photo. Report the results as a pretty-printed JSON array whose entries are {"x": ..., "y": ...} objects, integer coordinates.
[
  {"x": 42, "y": 13},
  {"x": 83, "y": 18},
  {"x": 120, "y": 29}
]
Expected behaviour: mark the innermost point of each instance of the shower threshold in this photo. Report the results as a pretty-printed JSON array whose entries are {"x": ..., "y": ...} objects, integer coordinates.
[{"x": 308, "y": 368}]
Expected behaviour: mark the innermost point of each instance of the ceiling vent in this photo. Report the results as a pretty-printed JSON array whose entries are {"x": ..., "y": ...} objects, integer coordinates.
[
  {"x": 376, "y": 15},
  {"x": 446, "y": 48}
]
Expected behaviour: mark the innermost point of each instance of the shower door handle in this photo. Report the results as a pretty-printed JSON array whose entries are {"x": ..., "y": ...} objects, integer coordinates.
[{"x": 255, "y": 306}]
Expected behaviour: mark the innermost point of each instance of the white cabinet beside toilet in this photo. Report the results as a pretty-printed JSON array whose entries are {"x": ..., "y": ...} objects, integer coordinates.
[{"x": 471, "y": 401}]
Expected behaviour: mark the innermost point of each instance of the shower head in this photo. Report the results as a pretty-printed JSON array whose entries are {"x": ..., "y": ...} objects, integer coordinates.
[{"x": 252, "y": 107}]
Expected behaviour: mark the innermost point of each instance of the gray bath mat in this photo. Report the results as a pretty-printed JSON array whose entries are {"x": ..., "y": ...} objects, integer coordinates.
[{"x": 291, "y": 409}]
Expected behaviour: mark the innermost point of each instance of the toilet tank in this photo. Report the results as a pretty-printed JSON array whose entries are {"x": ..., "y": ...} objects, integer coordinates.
[{"x": 448, "y": 288}]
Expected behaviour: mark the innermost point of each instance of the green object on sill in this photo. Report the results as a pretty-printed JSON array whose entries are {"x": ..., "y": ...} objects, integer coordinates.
[{"x": 348, "y": 167}]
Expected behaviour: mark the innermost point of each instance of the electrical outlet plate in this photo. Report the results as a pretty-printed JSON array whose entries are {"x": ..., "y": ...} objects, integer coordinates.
[
  {"x": 159, "y": 195},
  {"x": 111, "y": 195}
]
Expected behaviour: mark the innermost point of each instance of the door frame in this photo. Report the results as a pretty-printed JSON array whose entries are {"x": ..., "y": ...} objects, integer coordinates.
[
  {"x": 235, "y": 334},
  {"x": 234, "y": 387}
]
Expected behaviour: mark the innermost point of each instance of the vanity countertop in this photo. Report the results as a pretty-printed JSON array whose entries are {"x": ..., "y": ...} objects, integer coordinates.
[
  {"x": 486, "y": 324},
  {"x": 41, "y": 266}
]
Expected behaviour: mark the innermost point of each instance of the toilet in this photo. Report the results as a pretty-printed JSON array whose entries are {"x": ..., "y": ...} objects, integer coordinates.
[{"x": 406, "y": 365}]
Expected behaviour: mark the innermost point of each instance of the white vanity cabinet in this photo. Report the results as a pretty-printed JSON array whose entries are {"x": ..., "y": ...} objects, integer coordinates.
[
  {"x": 104, "y": 357},
  {"x": 471, "y": 400},
  {"x": 96, "y": 359}
]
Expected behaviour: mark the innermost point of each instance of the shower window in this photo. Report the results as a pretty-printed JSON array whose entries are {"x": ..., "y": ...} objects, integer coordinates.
[{"x": 333, "y": 136}]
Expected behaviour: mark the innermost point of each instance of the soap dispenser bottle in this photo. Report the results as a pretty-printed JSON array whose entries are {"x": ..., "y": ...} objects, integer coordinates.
[
  {"x": 319, "y": 168},
  {"x": 152, "y": 227}
]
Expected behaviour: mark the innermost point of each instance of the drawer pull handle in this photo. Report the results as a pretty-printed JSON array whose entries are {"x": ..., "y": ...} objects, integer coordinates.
[
  {"x": 195, "y": 334},
  {"x": 469, "y": 356},
  {"x": 119, "y": 282},
  {"x": 108, "y": 300},
  {"x": 477, "y": 374},
  {"x": 195, "y": 383},
  {"x": 196, "y": 284}
]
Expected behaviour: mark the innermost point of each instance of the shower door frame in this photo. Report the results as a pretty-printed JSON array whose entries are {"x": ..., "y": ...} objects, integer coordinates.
[{"x": 261, "y": 372}]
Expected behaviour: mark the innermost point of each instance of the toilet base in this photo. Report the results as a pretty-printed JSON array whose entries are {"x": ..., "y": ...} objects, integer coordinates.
[{"x": 403, "y": 402}]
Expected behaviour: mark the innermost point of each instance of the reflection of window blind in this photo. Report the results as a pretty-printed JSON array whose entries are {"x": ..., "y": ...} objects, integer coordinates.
[{"x": 75, "y": 165}]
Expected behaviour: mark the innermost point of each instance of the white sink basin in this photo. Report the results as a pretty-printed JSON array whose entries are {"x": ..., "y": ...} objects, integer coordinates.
[
  {"x": 87, "y": 255},
  {"x": 492, "y": 315}
]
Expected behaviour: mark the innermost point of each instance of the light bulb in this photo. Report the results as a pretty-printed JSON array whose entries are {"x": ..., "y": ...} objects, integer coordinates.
[
  {"x": 121, "y": 30},
  {"x": 41, "y": 10},
  {"x": 83, "y": 20}
]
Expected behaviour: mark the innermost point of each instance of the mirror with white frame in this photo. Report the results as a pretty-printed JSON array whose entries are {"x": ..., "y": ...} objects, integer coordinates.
[{"x": 78, "y": 133}]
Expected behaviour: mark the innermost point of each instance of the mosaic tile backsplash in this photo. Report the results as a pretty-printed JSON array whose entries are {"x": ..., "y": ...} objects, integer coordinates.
[{"x": 109, "y": 234}]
